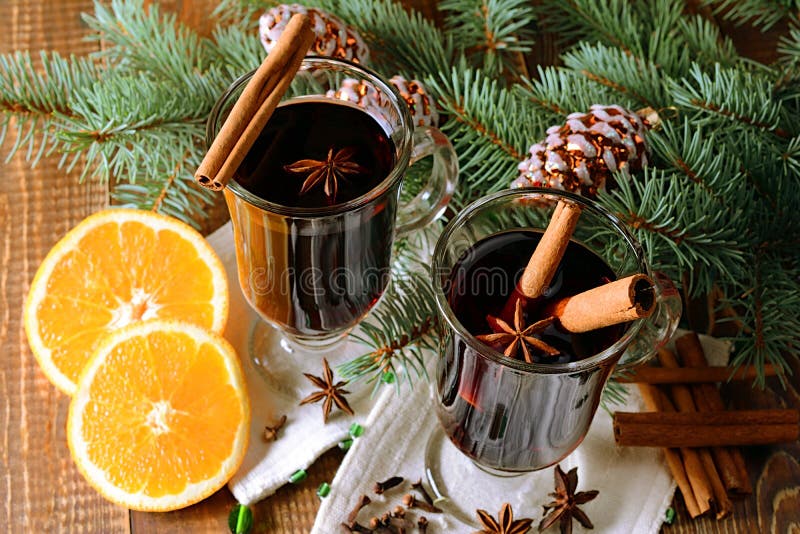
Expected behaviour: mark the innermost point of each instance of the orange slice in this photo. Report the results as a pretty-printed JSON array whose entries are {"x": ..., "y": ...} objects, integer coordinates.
[
  {"x": 117, "y": 267},
  {"x": 160, "y": 419}
]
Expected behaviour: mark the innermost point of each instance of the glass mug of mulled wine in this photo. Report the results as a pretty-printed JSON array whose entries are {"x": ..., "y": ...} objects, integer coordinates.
[
  {"x": 506, "y": 414},
  {"x": 315, "y": 204}
]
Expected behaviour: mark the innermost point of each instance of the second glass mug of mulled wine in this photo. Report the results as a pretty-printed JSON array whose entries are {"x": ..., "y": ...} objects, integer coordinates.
[
  {"x": 315, "y": 204},
  {"x": 508, "y": 415}
]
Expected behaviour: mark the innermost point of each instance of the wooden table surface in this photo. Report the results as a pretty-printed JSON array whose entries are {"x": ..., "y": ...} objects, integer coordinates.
[{"x": 41, "y": 489}]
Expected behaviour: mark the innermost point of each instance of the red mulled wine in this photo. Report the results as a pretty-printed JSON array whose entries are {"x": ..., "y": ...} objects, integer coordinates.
[
  {"x": 316, "y": 275},
  {"x": 488, "y": 411},
  {"x": 482, "y": 280},
  {"x": 326, "y": 136}
]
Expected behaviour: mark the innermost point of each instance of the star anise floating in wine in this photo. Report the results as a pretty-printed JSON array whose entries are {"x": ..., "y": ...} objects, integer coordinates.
[
  {"x": 332, "y": 393},
  {"x": 338, "y": 165},
  {"x": 519, "y": 335},
  {"x": 504, "y": 524},
  {"x": 564, "y": 507}
]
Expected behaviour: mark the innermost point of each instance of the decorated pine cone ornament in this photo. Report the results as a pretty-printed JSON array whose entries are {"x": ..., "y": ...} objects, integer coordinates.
[
  {"x": 364, "y": 94},
  {"x": 334, "y": 37},
  {"x": 581, "y": 155}
]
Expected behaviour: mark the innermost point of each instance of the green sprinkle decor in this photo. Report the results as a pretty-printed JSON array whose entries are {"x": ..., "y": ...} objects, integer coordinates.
[
  {"x": 669, "y": 516},
  {"x": 240, "y": 520},
  {"x": 298, "y": 476},
  {"x": 346, "y": 444},
  {"x": 356, "y": 430},
  {"x": 323, "y": 490},
  {"x": 388, "y": 377}
]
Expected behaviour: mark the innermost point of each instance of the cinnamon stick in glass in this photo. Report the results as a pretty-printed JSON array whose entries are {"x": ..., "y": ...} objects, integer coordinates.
[
  {"x": 617, "y": 302},
  {"x": 678, "y": 464},
  {"x": 546, "y": 257},
  {"x": 255, "y": 105},
  {"x": 646, "y": 374},
  {"x": 685, "y": 403},
  {"x": 730, "y": 461}
]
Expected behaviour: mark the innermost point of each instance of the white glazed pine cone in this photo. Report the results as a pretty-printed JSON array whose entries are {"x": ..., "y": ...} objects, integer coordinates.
[
  {"x": 334, "y": 37},
  {"x": 581, "y": 155},
  {"x": 364, "y": 94}
]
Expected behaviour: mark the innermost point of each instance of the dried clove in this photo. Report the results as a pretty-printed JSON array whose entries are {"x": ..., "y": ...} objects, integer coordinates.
[
  {"x": 271, "y": 432},
  {"x": 362, "y": 502},
  {"x": 387, "y": 484},
  {"x": 399, "y": 511},
  {"x": 412, "y": 502},
  {"x": 420, "y": 488},
  {"x": 422, "y": 524}
]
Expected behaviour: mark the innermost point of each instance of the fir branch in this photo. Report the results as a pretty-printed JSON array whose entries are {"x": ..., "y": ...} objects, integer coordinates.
[
  {"x": 402, "y": 42},
  {"x": 761, "y": 13},
  {"x": 638, "y": 80},
  {"x": 38, "y": 101},
  {"x": 557, "y": 92},
  {"x": 493, "y": 32},
  {"x": 680, "y": 227},
  {"x": 122, "y": 124},
  {"x": 397, "y": 332},
  {"x": 613, "y": 22},
  {"x": 706, "y": 43},
  {"x": 771, "y": 306},
  {"x": 488, "y": 125},
  {"x": 732, "y": 95},
  {"x": 144, "y": 40}
]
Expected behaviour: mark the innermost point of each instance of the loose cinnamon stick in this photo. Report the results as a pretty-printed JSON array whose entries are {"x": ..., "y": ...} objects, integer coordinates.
[
  {"x": 683, "y": 399},
  {"x": 729, "y": 461},
  {"x": 258, "y": 100},
  {"x": 693, "y": 431},
  {"x": 652, "y": 401},
  {"x": 691, "y": 375},
  {"x": 545, "y": 259},
  {"x": 720, "y": 420},
  {"x": 617, "y": 302}
]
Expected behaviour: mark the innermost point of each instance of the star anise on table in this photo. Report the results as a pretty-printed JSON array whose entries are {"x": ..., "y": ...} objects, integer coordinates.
[
  {"x": 332, "y": 393},
  {"x": 564, "y": 507},
  {"x": 504, "y": 524},
  {"x": 520, "y": 334},
  {"x": 337, "y": 165}
]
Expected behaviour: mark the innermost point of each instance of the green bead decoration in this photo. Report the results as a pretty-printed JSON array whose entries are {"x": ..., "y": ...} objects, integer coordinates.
[
  {"x": 298, "y": 476},
  {"x": 356, "y": 430},
  {"x": 346, "y": 444},
  {"x": 323, "y": 490}
]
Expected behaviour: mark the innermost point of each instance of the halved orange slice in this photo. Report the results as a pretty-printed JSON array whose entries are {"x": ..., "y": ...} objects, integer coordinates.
[
  {"x": 160, "y": 418},
  {"x": 117, "y": 267}
]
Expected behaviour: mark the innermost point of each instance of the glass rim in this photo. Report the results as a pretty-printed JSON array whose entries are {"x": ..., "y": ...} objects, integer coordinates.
[
  {"x": 446, "y": 312},
  {"x": 397, "y": 172}
]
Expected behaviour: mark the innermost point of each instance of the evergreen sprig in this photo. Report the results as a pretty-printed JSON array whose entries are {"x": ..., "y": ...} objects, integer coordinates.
[{"x": 493, "y": 32}]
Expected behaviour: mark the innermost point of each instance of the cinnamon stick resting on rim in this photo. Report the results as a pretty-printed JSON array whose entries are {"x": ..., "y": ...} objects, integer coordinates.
[
  {"x": 617, "y": 302},
  {"x": 255, "y": 105}
]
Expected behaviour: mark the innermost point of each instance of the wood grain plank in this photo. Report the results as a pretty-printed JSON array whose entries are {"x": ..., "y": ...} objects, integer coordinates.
[{"x": 42, "y": 491}]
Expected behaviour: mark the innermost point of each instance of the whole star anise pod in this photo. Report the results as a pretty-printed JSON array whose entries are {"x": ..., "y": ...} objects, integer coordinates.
[
  {"x": 332, "y": 393},
  {"x": 504, "y": 524},
  {"x": 564, "y": 507},
  {"x": 520, "y": 334},
  {"x": 328, "y": 172}
]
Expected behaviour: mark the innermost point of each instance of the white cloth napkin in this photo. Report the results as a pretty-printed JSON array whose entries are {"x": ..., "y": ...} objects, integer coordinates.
[
  {"x": 634, "y": 483},
  {"x": 268, "y": 465}
]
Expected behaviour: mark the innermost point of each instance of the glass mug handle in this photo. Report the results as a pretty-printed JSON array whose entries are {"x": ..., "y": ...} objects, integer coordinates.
[
  {"x": 432, "y": 200},
  {"x": 658, "y": 328}
]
